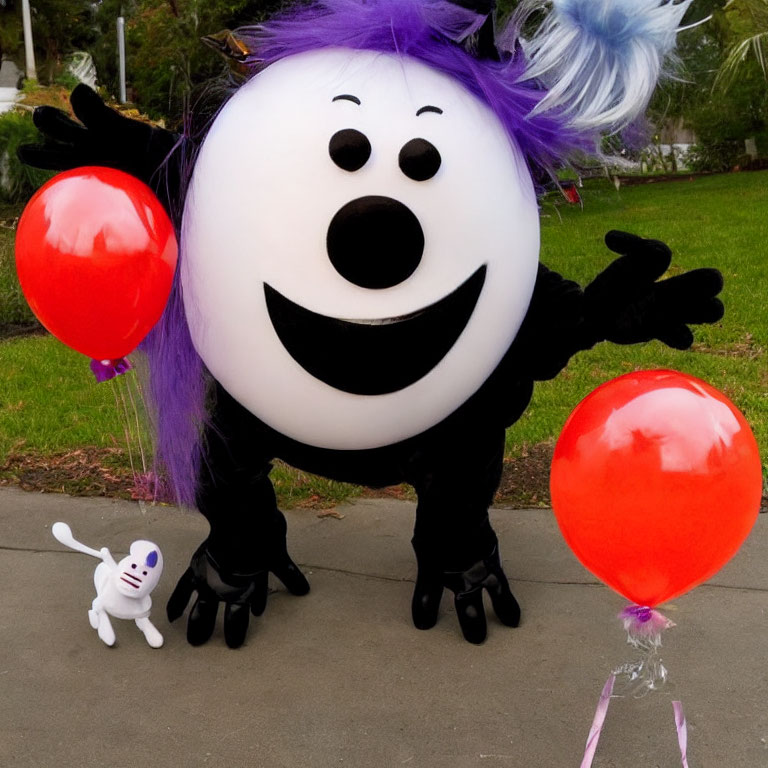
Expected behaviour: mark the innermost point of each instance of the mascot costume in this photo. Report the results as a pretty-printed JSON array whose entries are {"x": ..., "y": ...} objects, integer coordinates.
[{"x": 359, "y": 292}]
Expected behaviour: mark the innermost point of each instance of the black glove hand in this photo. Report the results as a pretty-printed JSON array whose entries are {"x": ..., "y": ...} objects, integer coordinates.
[
  {"x": 240, "y": 592},
  {"x": 104, "y": 138},
  {"x": 626, "y": 305},
  {"x": 467, "y": 587}
]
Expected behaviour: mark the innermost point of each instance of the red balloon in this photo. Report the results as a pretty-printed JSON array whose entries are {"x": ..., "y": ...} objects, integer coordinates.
[
  {"x": 96, "y": 254},
  {"x": 656, "y": 482}
]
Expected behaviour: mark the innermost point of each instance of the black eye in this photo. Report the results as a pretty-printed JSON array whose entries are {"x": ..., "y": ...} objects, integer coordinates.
[
  {"x": 133, "y": 565},
  {"x": 143, "y": 573},
  {"x": 419, "y": 160},
  {"x": 349, "y": 149}
]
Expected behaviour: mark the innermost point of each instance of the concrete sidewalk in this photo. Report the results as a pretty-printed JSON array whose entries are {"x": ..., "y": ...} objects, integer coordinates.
[{"x": 341, "y": 678}]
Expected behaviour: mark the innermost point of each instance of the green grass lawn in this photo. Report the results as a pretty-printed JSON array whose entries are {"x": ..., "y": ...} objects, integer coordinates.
[
  {"x": 50, "y": 404},
  {"x": 716, "y": 221},
  {"x": 13, "y": 307}
]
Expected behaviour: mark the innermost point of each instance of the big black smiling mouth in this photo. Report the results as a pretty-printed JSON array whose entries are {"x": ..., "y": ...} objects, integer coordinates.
[{"x": 373, "y": 357}]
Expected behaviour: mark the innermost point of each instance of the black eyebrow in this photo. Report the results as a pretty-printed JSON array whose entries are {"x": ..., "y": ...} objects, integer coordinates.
[
  {"x": 347, "y": 97},
  {"x": 429, "y": 108}
]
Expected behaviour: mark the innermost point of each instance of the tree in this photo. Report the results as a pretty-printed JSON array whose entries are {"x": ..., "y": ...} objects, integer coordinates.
[
  {"x": 698, "y": 55},
  {"x": 10, "y": 29},
  {"x": 722, "y": 119},
  {"x": 166, "y": 59},
  {"x": 60, "y": 27},
  {"x": 747, "y": 22}
]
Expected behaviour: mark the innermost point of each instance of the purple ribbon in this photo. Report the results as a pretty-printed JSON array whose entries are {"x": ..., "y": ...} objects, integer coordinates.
[
  {"x": 599, "y": 721},
  {"x": 682, "y": 731},
  {"x": 104, "y": 370}
]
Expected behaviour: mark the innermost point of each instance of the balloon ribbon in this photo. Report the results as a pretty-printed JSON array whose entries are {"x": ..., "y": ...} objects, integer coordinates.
[
  {"x": 104, "y": 370},
  {"x": 599, "y": 720},
  {"x": 682, "y": 731},
  {"x": 597, "y": 723},
  {"x": 643, "y": 626}
]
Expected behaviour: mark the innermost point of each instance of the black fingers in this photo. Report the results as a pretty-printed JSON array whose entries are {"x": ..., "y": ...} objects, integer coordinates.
[
  {"x": 241, "y": 595},
  {"x": 50, "y": 158},
  {"x": 260, "y": 592},
  {"x": 67, "y": 141},
  {"x": 288, "y": 572},
  {"x": 632, "y": 271},
  {"x": 677, "y": 336},
  {"x": 93, "y": 112},
  {"x": 471, "y": 615},
  {"x": 202, "y": 620},
  {"x": 622, "y": 242},
  {"x": 691, "y": 288},
  {"x": 236, "y": 617},
  {"x": 179, "y": 600},
  {"x": 467, "y": 587},
  {"x": 643, "y": 260},
  {"x": 57, "y": 125},
  {"x": 505, "y": 606},
  {"x": 707, "y": 311},
  {"x": 426, "y": 603},
  {"x": 685, "y": 299}
]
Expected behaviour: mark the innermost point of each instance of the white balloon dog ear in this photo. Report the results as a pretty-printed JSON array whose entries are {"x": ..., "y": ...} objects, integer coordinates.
[
  {"x": 599, "y": 59},
  {"x": 122, "y": 589}
]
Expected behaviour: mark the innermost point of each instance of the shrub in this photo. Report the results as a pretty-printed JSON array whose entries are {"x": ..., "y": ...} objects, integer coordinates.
[
  {"x": 14, "y": 310},
  {"x": 18, "y": 181},
  {"x": 718, "y": 156}
]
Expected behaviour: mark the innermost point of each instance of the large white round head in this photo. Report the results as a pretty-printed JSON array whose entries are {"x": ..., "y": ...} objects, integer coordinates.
[
  {"x": 360, "y": 244},
  {"x": 139, "y": 573}
]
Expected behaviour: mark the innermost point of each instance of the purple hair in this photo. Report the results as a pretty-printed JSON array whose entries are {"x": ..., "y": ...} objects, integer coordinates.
[{"x": 431, "y": 31}]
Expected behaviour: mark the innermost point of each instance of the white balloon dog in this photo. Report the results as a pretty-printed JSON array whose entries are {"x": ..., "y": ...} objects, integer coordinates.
[{"x": 122, "y": 589}]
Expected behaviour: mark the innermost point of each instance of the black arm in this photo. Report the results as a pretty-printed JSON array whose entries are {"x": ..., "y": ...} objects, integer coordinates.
[
  {"x": 554, "y": 328},
  {"x": 626, "y": 304}
]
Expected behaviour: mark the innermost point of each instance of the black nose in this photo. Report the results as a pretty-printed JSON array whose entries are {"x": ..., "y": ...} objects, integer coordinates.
[{"x": 375, "y": 242}]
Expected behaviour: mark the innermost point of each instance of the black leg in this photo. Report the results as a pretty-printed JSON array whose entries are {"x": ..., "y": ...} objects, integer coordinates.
[
  {"x": 454, "y": 542},
  {"x": 248, "y": 531}
]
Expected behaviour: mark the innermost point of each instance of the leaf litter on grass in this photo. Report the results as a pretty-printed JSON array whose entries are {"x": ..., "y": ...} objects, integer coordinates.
[
  {"x": 83, "y": 472},
  {"x": 525, "y": 477},
  {"x": 745, "y": 348}
]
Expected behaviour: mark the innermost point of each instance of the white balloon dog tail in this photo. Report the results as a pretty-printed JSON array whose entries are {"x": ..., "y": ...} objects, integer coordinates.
[{"x": 63, "y": 534}]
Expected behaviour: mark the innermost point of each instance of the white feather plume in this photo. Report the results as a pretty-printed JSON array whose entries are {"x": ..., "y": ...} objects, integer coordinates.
[{"x": 599, "y": 59}]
